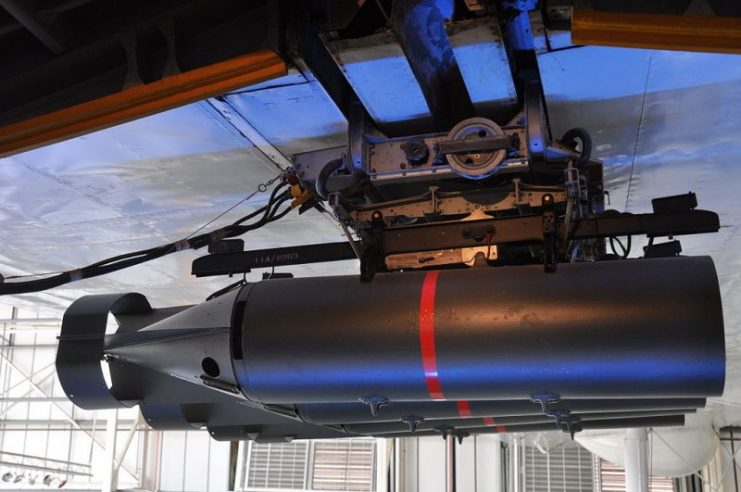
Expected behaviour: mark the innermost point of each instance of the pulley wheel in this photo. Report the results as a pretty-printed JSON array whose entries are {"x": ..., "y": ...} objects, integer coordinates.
[{"x": 476, "y": 165}]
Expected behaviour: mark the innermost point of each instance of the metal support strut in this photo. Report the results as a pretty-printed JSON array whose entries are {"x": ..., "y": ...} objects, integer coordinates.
[
  {"x": 450, "y": 464},
  {"x": 636, "y": 460}
]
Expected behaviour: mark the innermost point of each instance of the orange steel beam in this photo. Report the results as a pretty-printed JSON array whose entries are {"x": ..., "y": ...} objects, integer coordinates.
[
  {"x": 655, "y": 31},
  {"x": 142, "y": 100}
]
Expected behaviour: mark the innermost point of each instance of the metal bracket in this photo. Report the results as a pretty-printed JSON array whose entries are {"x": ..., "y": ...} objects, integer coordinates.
[
  {"x": 558, "y": 414},
  {"x": 545, "y": 399},
  {"x": 550, "y": 248},
  {"x": 528, "y": 229},
  {"x": 444, "y": 430},
  {"x": 379, "y": 242},
  {"x": 662, "y": 250},
  {"x": 537, "y": 137},
  {"x": 571, "y": 424},
  {"x": 375, "y": 403},
  {"x": 460, "y": 435},
  {"x": 235, "y": 262},
  {"x": 419, "y": 26},
  {"x": 412, "y": 421},
  {"x": 372, "y": 257}
]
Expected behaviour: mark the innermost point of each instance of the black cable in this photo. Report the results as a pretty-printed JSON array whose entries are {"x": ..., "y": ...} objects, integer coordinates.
[
  {"x": 252, "y": 215},
  {"x": 624, "y": 248},
  {"x": 277, "y": 205},
  {"x": 321, "y": 180},
  {"x": 281, "y": 215},
  {"x": 263, "y": 209},
  {"x": 280, "y": 200},
  {"x": 122, "y": 257},
  {"x": 236, "y": 229},
  {"x": 569, "y": 139},
  {"x": 613, "y": 248},
  {"x": 269, "y": 213}
]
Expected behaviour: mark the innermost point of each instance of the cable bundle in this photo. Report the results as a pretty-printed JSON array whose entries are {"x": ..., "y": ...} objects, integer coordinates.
[{"x": 270, "y": 212}]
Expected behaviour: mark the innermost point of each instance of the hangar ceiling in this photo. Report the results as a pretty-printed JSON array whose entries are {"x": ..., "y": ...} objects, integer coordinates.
[{"x": 664, "y": 123}]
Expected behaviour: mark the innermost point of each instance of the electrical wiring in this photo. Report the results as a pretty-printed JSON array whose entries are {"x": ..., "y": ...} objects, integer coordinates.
[
  {"x": 262, "y": 188},
  {"x": 267, "y": 213},
  {"x": 624, "y": 248},
  {"x": 265, "y": 209}
]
